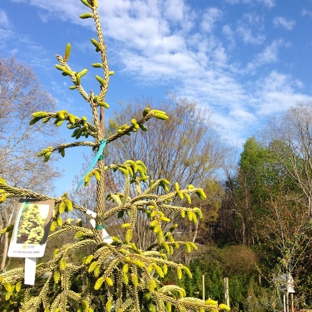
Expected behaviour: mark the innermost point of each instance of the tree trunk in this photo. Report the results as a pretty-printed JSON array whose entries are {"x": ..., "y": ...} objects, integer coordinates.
[{"x": 5, "y": 251}]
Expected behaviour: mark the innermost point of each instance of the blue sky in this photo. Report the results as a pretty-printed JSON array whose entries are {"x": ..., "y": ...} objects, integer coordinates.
[{"x": 244, "y": 59}]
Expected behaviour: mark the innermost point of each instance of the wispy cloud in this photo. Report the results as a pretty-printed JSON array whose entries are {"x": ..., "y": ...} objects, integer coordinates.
[
  {"x": 248, "y": 37},
  {"x": 6, "y": 32},
  {"x": 174, "y": 10},
  {"x": 306, "y": 12},
  {"x": 250, "y": 29},
  {"x": 4, "y": 21},
  {"x": 270, "y": 53},
  {"x": 280, "y": 21},
  {"x": 210, "y": 16},
  {"x": 267, "y": 56},
  {"x": 267, "y": 3},
  {"x": 278, "y": 92},
  {"x": 229, "y": 34},
  {"x": 166, "y": 42}
]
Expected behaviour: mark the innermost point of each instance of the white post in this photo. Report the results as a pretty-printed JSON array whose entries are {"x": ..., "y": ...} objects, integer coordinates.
[
  {"x": 226, "y": 291},
  {"x": 203, "y": 285}
]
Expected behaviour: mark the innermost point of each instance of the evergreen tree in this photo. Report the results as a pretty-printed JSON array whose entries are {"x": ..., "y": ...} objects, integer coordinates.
[
  {"x": 31, "y": 229},
  {"x": 115, "y": 276}
]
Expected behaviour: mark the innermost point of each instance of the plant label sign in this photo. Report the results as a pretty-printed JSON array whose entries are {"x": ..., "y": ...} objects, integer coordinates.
[
  {"x": 31, "y": 229},
  {"x": 30, "y": 233}
]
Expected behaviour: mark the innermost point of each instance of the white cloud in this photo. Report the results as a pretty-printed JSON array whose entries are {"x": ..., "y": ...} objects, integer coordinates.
[
  {"x": 240, "y": 1},
  {"x": 283, "y": 22},
  {"x": 306, "y": 12},
  {"x": 267, "y": 56},
  {"x": 209, "y": 18},
  {"x": 44, "y": 17},
  {"x": 253, "y": 19},
  {"x": 229, "y": 34},
  {"x": 174, "y": 10},
  {"x": 278, "y": 93},
  {"x": 239, "y": 109},
  {"x": 250, "y": 29},
  {"x": 247, "y": 36},
  {"x": 158, "y": 42},
  {"x": 160, "y": 67},
  {"x": 5, "y": 35},
  {"x": 276, "y": 82},
  {"x": 270, "y": 53},
  {"x": 4, "y": 21},
  {"x": 242, "y": 115},
  {"x": 219, "y": 56},
  {"x": 268, "y": 3}
]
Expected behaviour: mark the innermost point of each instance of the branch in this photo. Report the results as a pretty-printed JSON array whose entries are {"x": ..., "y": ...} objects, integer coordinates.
[{"x": 20, "y": 192}]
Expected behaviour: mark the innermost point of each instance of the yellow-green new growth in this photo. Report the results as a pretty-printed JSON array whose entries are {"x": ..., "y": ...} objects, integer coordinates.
[
  {"x": 67, "y": 52},
  {"x": 115, "y": 274}
]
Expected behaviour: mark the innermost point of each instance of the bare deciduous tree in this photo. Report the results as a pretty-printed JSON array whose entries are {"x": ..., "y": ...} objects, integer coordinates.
[
  {"x": 291, "y": 134},
  {"x": 186, "y": 149},
  {"x": 20, "y": 95},
  {"x": 286, "y": 231}
]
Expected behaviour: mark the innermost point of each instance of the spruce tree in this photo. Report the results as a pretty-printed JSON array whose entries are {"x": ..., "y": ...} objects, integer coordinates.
[
  {"x": 31, "y": 226},
  {"x": 117, "y": 275}
]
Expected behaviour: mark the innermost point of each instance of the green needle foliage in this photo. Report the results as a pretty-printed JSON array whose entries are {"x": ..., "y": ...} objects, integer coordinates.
[{"x": 116, "y": 276}]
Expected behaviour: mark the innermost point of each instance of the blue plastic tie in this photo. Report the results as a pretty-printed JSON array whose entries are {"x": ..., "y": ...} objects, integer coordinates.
[
  {"x": 100, "y": 227},
  {"x": 94, "y": 161}
]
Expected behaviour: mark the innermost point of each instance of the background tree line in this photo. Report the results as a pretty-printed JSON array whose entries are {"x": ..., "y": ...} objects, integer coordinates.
[{"x": 267, "y": 200}]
